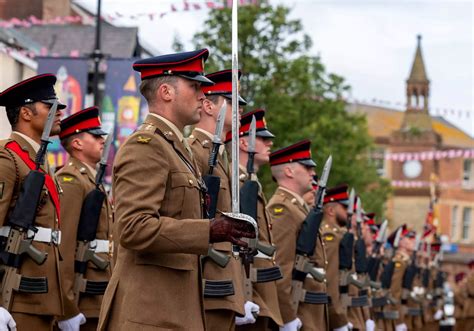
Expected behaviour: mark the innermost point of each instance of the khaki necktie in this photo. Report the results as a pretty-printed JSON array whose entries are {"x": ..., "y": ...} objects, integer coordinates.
[{"x": 186, "y": 146}]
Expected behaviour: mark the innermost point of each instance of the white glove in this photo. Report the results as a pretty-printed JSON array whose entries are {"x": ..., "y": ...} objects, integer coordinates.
[
  {"x": 401, "y": 327},
  {"x": 6, "y": 320},
  {"x": 250, "y": 309},
  {"x": 370, "y": 325},
  {"x": 342, "y": 328},
  {"x": 350, "y": 326},
  {"x": 294, "y": 325},
  {"x": 72, "y": 324},
  {"x": 438, "y": 315}
]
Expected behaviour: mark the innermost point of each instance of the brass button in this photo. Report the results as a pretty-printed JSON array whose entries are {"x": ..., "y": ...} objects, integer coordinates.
[{"x": 191, "y": 182}]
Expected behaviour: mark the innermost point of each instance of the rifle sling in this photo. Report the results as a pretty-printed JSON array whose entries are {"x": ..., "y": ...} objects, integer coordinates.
[{"x": 49, "y": 182}]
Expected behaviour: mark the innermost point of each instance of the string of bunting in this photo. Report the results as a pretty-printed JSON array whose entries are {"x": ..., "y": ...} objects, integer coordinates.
[
  {"x": 76, "y": 19},
  {"x": 423, "y": 184},
  {"x": 426, "y": 155},
  {"x": 434, "y": 111}
]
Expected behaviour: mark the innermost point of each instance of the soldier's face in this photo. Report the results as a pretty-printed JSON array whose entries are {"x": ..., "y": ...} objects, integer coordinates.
[
  {"x": 188, "y": 101},
  {"x": 92, "y": 146},
  {"x": 39, "y": 112},
  {"x": 262, "y": 150},
  {"x": 341, "y": 214},
  {"x": 303, "y": 176}
]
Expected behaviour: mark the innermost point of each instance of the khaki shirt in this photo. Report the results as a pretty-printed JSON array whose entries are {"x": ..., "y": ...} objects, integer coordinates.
[
  {"x": 78, "y": 179},
  {"x": 160, "y": 232},
  {"x": 288, "y": 211},
  {"x": 201, "y": 145},
  {"x": 12, "y": 173}
]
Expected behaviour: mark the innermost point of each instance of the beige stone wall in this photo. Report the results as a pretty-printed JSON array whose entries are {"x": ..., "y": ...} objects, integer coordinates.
[{"x": 409, "y": 210}]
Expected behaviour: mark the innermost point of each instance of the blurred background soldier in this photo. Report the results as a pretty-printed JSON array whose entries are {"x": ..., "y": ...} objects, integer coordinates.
[
  {"x": 293, "y": 170},
  {"x": 84, "y": 283},
  {"x": 264, "y": 293},
  {"x": 37, "y": 299},
  {"x": 221, "y": 308}
]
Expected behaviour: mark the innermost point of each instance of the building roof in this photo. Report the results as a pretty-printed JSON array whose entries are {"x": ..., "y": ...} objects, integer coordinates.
[
  {"x": 383, "y": 121},
  {"x": 418, "y": 71},
  {"x": 62, "y": 40}
]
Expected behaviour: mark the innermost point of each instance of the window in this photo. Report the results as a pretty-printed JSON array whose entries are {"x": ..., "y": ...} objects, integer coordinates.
[
  {"x": 466, "y": 222},
  {"x": 454, "y": 222},
  {"x": 468, "y": 174},
  {"x": 378, "y": 160}
]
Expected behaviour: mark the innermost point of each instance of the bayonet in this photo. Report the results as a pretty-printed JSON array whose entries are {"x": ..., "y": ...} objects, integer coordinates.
[
  {"x": 381, "y": 235},
  {"x": 46, "y": 134},
  {"x": 350, "y": 209},
  {"x": 217, "y": 138},
  {"x": 103, "y": 160},
  {"x": 319, "y": 197},
  {"x": 396, "y": 241},
  {"x": 251, "y": 147},
  {"x": 235, "y": 111}
]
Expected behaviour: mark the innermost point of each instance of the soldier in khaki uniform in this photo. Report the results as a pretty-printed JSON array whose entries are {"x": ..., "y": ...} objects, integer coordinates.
[
  {"x": 265, "y": 294},
  {"x": 82, "y": 137},
  {"x": 464, "y": 299},
  {"x": 293, "y": 170},
  {"x": 157, "y": 188},
  {"x": 393, "y": 314},
  {"x": 27, "y": 105},
  {"x": 332, "y": 229},
  {"x": 220, "y": 310}
]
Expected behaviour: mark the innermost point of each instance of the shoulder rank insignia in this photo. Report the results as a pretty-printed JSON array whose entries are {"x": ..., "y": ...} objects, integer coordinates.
[
  {"x": 328, "y": 237},
  {"x": 67, "y": 179},
  {"x": 277, "y": 210},
  {"x": 143, "y": 140}
]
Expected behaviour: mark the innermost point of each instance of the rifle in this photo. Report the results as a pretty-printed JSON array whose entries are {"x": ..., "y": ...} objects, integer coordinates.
[
  {"x": 22, "y": 229},
  {"x": 213, "y": 183},
  {"x": 87, "y": 230},
  {"x": 389, "y": 268},
  {"x": 361, "y": 263},
  {"x": 306, "y": 245},
  {"x": 411, "y": 271},
  {"x": 373, "y": 263},
  {"x": 346, "y": 250}
]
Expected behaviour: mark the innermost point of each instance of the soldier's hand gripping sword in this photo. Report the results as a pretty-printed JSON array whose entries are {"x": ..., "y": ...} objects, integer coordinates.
[
  {"x": 306, "y": 244},
  {"x": 87, "y": 245},
  {"x": 213, "y": 183},
  {"x": 22, "y": 228}
]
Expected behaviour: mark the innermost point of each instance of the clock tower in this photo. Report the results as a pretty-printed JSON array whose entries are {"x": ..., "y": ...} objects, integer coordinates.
[{"x": 415, "y": 134}]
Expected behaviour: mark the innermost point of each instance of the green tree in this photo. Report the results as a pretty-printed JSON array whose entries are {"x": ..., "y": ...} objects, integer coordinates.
[{"x": 302, "y": 99}]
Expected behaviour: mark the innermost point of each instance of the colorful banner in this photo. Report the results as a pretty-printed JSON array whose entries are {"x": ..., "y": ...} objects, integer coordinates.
[
  {"x": 426, "y": 155},
  {"x": 70, "y": 87}
]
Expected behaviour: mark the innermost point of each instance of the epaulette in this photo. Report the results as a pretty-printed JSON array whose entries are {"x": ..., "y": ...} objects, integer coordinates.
[{"x": 146, "y": 127}]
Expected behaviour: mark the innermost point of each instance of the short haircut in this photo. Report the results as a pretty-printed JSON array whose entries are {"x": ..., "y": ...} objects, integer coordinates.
[
  {"x": 149, "y": 86},
  {"x": 13, "y": 113},
  {"x": 66, "y": 142}
]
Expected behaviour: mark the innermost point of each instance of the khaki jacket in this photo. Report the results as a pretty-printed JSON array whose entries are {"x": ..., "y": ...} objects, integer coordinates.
[
  {"x": 156, "y": 283},
  {"x": 201, "y": 146},
  {"x": 12, "y": 173},
  {"x": 332, "y": 235},
  {"x": 287, "y": 216},
  {"x": 77, "y": 181},
  {"x": 264, "y": 294}
]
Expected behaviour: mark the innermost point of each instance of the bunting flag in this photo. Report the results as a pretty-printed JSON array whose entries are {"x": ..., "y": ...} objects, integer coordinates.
[
  {"x": 424, "y": 184},
  {"x": 426, "y": 155}
]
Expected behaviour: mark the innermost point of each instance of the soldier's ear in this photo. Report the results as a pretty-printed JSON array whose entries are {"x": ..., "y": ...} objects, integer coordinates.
[
  {"x": 243, "y": 144},
  {"x": 26, "y": 113},
  {"x": 166, "y": 92},
  {"x": 207, "y": 106},
  {"x": 288, "y": 170}
]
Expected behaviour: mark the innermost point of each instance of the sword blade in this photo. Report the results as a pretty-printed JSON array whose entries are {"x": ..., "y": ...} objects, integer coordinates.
[
  {"x": 49, "y": 121},
  {"x": 326, "y": 170},
  {"x": 235, "y": 112}
]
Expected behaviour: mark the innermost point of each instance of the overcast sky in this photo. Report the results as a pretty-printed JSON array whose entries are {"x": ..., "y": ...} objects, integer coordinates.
[{"x": 370, "y": 43}]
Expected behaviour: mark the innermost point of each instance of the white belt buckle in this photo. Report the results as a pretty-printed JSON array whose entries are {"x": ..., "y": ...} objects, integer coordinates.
[{"x": 100, "y": 246}]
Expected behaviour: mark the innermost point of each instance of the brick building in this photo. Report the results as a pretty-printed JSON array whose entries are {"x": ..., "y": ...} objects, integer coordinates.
[{"x": 416, "y": 181}]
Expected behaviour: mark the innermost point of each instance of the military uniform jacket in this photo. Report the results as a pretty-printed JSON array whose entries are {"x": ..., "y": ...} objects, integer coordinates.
[
  {"x": 332, "y": 235},
  {"x": 287, "y": 216},
  {"x": 12, "y": 174},
  {"x": 201, "y": 146},
  {"x": 77, "y": 181},
  {"x": 156, "y": 283},
  {"x": 357, "y": 315},
  {"x": 264, "y": 294}
]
